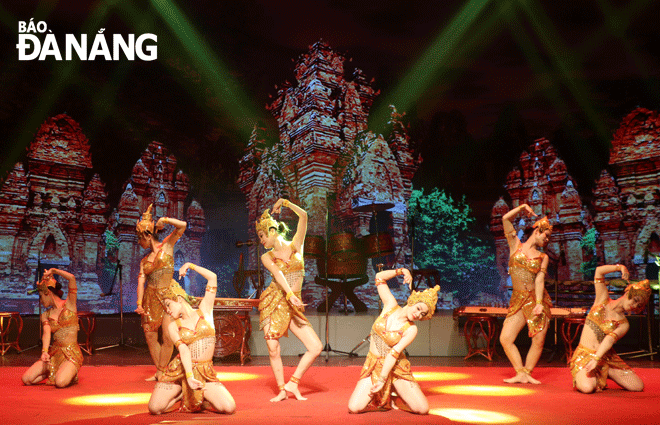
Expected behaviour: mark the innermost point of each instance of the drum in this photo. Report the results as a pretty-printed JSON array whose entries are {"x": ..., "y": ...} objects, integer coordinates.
[
  {"x": 338, "y": 269},
  {"x": 378, "y": 242},
  {"x": 343, "y": 246},
  {"x": 314, "y": 246}
]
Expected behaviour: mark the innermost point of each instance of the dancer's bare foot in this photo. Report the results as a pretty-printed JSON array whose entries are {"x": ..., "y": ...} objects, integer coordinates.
[
  {"x": 293, "y": 389},
  {"x": 520, "y": 378},
  {"x": 281, "y": 396},
  {"x": 531, "y": 380}
]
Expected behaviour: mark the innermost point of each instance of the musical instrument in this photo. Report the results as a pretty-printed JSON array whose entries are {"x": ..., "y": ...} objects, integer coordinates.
[
  {"x": 338, "y": 268},
  {"x": 314, "y": 246},
  {"x": 343, "y": 246},
  {"x": 231, "y": 303},
  {"x": 502, "y": 311},
  {"x": 231, "y": 317},
  {"x": 378, "y": 245}
]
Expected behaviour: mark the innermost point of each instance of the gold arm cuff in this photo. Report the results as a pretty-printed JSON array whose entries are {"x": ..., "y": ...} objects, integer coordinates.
[
  {"x": 394, "y": 353},
  {"x": 289, "y": 295},
  {"x": 380, "y": 282},
  {"x": 189, "y": 375},
  {"x": 285, "y": 203}
]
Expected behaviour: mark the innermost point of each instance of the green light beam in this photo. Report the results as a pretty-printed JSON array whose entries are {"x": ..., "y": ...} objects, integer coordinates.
[{"x": 418, "y": 79}]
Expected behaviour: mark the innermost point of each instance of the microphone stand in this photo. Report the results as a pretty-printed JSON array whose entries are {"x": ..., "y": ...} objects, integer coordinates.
[
  {"x": 36, "y": 276},
  {"x": 121, "y": 311}
]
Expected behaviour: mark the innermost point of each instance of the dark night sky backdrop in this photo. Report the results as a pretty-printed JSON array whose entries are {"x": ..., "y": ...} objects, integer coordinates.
[{"x": 485, "y": 104}]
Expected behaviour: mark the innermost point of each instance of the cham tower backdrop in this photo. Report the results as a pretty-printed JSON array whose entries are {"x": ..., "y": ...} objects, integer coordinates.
[
  {"x": 327, "y": 160},
  {"x": 623, "y": 215},
  {"x": 54, "y": 213}
]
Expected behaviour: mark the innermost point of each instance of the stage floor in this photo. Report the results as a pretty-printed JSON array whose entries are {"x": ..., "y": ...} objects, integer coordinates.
[{"x": 112, "y": 390}]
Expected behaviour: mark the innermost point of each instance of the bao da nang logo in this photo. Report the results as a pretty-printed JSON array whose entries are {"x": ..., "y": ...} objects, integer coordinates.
[{"x": 33, "y": 45}]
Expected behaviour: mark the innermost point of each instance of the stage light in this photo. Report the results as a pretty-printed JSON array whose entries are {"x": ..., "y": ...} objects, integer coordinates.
[
  {"x": 482, "y": 390},
  {"x": 440, "y": 376},
  {"x": 235, "y": 376},
  {"x": 474, "y": 416},
  {"x": 122, "y": 399}
]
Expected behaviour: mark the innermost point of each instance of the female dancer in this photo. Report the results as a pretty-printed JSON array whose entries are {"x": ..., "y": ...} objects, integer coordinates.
[
  {"x": 280, "y": 307},
  {"x": 530, "y": 302},
  {"x": 61, "y": 360},
  {"x": 156, "y": 269},
  {"x": 594, "y": 360},
  {"x": 190, "y": 375},
  {"x": 386, "y": 366}
]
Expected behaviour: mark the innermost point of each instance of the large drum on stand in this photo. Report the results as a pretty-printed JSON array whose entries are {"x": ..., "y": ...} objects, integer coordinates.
[
  {"x": 378, "y": 245},
  {"x": 343, "y": 246},
  {"x": 314, "y": 246}
]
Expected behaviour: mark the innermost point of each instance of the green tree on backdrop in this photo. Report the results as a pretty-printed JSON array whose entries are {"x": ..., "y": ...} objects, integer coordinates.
[{"x": 445, "y": 241}]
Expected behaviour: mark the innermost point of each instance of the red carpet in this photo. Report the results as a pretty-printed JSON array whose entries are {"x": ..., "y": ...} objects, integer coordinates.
[{"x": 328, "y": 390}]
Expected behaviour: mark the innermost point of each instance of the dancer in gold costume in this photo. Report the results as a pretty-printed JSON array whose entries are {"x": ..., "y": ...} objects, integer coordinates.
[
  {"x": 530, "y": 302},
  {"x": 594, "y": 360},
  {"x": 387, "y": 369},
  {"x": 280, "y": 307},
  {"x": 156, "y": 270},
  {"x": 61, "y": 357},
  {"x": 190, "y": 376}
]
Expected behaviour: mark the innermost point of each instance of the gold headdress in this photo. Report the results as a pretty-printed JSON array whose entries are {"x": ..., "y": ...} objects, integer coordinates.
[
  {"x": 640, "y": 289},
  {"x": 145, "y": 226},
  {"x": 45, "y": 283},
  {"x": 175, "y": 290},
  {"x": 543, "y": 224},
  {"x": 428, "y": 297},
  {"x": 265, "y": 223}
]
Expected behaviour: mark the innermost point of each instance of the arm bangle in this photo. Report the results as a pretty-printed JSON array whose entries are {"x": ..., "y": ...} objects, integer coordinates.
[
  {"x": 191, "y": 266},
  {"x": 399, "y": 272},
  {"x": 394, "y": 353},
  {"x": 539, "y": 302},
  {"x": 177, "y": 343},
  {"x": 599, "y": 280},
  {"x": 189, "y": 375},
  {"x": 614, "y": 335},
  {"x": 289, "y": 295},
  {"x": 380, "y": 282},
  {"x": 285, "y": 203},
  {"x": 211, "y": 289}
]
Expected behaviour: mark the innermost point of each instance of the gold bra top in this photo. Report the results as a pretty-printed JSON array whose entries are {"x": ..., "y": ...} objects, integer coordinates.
[
  {"x": 597, "y": 316},
  {"x": 379, "y": 328},
  {"x": 203, "y": 329},
  {"x": 162, "y": 260},
  {"x": 519, "y": 259},
  {"x": 295, "y": 263},
  {"x": 67, "y": 318}
]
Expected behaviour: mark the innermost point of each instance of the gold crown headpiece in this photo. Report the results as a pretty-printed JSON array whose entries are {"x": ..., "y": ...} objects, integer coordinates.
[
  {"x": 45, "y": 283},
  {"x": 265, "y": 223},
  {"x": 175, "y": 290},
  {"x": 428, "y": 296},
  {"x": 640, "y": 289},
  {"x": 543, "y": 224},
  {"x": 145, "y": 226}
]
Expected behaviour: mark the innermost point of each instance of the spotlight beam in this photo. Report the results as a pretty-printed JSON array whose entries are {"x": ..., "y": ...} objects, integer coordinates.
[{"x": 420, "y": 76}]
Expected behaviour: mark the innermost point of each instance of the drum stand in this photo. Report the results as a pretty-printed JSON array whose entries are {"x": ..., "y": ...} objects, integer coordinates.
[
  {"x": 327, "y": 347},
  {"x": 373, "y": 209}
]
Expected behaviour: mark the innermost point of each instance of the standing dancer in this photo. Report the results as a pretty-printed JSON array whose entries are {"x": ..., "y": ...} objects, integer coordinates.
[
  {"x": 190, "y": 375},
  {"x": 60, "y": 360},
  {"x": 280, "y": 307},
  {"x": 387, "y": 368},
  {"x": 156, "y": 269},
  {"x": 594, "y": 360},
  {"x": 530, "y": 302}
]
